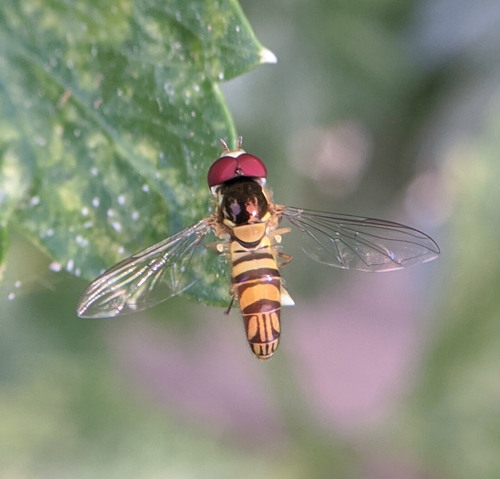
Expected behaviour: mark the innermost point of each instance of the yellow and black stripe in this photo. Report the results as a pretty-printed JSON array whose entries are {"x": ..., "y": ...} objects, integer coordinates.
[{"x": 257, "y": 282}]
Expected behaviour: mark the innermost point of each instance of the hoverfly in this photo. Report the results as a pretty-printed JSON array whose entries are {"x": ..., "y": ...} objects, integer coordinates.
[{"x": 247, "y": 222}]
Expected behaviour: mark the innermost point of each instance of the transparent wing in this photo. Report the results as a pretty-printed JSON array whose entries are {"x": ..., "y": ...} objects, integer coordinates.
[
  {"x": 362, "y": 244},
  {"x": 146, "y": 278}
]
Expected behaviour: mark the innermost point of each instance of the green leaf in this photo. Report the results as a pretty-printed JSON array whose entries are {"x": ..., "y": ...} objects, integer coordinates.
[{"x": 111, "y": 114}]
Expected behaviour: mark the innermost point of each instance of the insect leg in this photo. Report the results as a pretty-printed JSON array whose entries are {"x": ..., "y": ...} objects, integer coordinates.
[
  {"x": 232, "y": 292},
  {"x": 276, "y": 234},
  {"x": 286, "y": 258},
  {"x": 228, "y": 310},
  {"x": 219, "y": 247}
]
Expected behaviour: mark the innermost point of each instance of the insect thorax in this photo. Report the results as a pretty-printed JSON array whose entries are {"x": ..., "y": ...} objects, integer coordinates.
[
  {"x": 242, "y": 201},
  {"x": 244, "y": 210}
]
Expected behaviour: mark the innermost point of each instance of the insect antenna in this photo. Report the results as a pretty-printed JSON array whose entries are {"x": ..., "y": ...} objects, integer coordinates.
[
  {"x": 224, "y": 145},
  {"x": 239, "y": 142}
]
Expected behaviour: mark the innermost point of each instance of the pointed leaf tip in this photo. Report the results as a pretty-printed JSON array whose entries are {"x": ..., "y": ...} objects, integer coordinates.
[{"x": 267, "y": 56}]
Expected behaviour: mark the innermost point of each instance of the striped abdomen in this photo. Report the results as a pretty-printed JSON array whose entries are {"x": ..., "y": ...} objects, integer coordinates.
[{"x": 257, "y": 282}]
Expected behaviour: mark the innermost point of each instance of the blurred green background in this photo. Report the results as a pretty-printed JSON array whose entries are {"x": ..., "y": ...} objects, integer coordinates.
[{"x": 384, "y": 108}]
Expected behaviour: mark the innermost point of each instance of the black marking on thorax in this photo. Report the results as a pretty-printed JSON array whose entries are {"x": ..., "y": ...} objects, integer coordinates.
[{"x": 243, "y": 201}]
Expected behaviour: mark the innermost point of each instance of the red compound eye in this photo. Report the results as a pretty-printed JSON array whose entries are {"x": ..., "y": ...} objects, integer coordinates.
[{"x": 226, "y": 168}]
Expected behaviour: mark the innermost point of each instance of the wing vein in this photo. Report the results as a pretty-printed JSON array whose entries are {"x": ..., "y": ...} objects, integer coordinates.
[
  {"x": 365, "y": 244},
  {"x": 148, "y": 277}
]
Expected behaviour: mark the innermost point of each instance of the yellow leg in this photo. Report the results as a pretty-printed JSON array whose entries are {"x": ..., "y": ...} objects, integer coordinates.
[
  {"x": 286, "y": 258},
  {"x": 276, "y": 234},
  {"x": 218, "y": 247}
]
